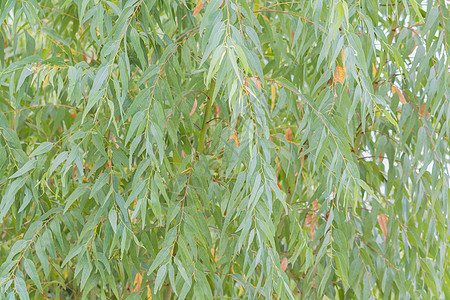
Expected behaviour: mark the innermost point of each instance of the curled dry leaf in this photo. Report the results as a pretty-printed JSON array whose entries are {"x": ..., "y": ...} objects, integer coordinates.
[
  {"x": 198, "y": 7},
  {"x": 193, "y": 108},
  {"x": 400, "y": 94},
  {"x": 382, "y": 221},
  {"x": 288, "y": 134},
  {"x": 284, "y": 264}
]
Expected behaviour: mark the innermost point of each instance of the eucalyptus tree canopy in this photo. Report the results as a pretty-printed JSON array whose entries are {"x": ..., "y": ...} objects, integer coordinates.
[{"x": 224, "y": 149}]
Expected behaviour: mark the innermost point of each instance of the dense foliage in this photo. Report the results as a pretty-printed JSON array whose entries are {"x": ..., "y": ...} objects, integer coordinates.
[{"x": 224, "y": 149}]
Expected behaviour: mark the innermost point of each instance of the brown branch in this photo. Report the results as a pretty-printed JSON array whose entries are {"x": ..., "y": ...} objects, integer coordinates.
[{"x": 377, "y": 252}]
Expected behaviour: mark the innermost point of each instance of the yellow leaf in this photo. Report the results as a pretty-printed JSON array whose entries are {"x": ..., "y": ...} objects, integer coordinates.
[
  {"x": 256, "y": 5},
  {"x": 382, "y": 221},
  {"x": 149, "y": 293},
  {"x": 340, "y": 74},
  {"x": 216, "y": 258},
  {"x": 198, "y": 7},
  {"x": 235, "y": 138},
  {"x": 47, "y": 78},
  {"x": 137, "y": 282},
  {"x": 241, "y": 290}
]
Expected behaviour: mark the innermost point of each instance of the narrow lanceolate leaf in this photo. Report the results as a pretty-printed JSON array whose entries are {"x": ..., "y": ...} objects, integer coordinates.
[
  {"x": 227, "y": 149},
  {"x": 193, "y": 108},
  {"x": 396, "y": 90},
  {"x": 29, "y": 165},
  {"x": 32, "y": 272},
  {"x": 113, "y": 219},
  {"x": 21, "y": 288},
  {"x": 198, "y": 7},
  {"x": 41, "y": 149},
  {"x": 9, "y": 196},
  {"x": 60, "y": 158},
  {"x": 382, "y": 221},
  {"x": 76, "y": 194}
]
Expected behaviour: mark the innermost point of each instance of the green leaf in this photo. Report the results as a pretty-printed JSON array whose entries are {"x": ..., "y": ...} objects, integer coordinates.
[
  {"x": 101, "y": 181},
  {"x": 21, "y": 288},
  {"x": 112, "y": 217},
  {"x": 328, "y": 120},
  {"x": 24, "y": 169},
  {"x": 32, "y": 272},
  {"x": 163, "y": 254},
  {"x": 77, "y": 193},
  {"x": 160, "y": 277},
  {"x": 9, "y": 196},
  {"x": 42, "y": 148},
  {"x": 9, "y": 4},
  {"x": 57, "y": 161}
]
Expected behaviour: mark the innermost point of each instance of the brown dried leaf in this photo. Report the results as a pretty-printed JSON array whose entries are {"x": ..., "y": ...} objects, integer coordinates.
[
  {"x": 400, "y": 94},
  {"x": 330, "y": 81},
  {"x": 284, "y": 264},
  {"x": 382, "y": 221},
  {"x": 278, "y": 184},
  {"x": 422, "y": 111},
  {"x": 193, "y": 108},
  {"x": 311, "y": 230},
  {"x": 257, "y": 82},
  {"x": 311, "y": 219},
  {"x": 217, "y": 110},
  {"x": 288, "y": 134},
  {"x": 198, "y": 7}
]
